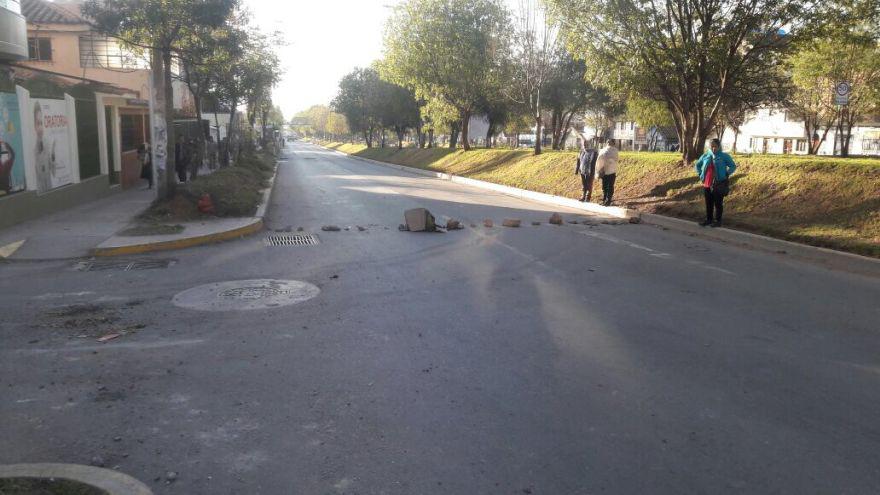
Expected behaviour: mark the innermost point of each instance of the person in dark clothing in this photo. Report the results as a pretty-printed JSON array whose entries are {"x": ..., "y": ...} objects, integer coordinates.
[
  {"x": 714, "y": 168},
  {"x": 586, "y": 167},
  {"x": 606, "y": 169},
  {"x": 146, "y": 164},
  {"x": 181, "y": 159}
]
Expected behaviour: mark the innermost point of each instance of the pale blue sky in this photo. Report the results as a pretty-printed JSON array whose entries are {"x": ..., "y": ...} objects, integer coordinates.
[{"x": 326, "y": 40}]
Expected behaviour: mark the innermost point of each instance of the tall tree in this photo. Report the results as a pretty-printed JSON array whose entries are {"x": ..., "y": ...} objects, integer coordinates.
[
  {"x": 356, "y": 100},
  {"x": 447, "y": 49},
  {"x": 568, "y": 93},
  {"x": 692, "y": 55},
  {"x": 534, "y": 53},
  {"x": 160, "y": 26}
]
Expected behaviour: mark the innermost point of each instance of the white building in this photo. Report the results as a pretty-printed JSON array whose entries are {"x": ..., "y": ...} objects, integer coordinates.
[{"x": 777, "y": 131}]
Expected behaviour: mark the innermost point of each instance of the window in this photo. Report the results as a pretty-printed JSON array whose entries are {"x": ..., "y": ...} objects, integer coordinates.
[
  {"x": 40, "y": 49},
  {"x": 105, "y": 53},
  {"x": 870, "y": 144},
  {"x": 801, "y": 145}
]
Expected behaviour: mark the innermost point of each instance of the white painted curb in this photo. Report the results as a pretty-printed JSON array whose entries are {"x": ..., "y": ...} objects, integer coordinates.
[{"x": 612, "y": 211}]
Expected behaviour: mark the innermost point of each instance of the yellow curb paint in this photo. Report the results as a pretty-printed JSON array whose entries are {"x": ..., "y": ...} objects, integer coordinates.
[
  {"x": 10, "y": 249},
  {"x": 180, "y": 243}
]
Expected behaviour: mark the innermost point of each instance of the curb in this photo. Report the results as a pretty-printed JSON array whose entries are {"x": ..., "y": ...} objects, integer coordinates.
[
  {"x": 830, "y": 258},
  {"x": 112, "y": 482},
  {"x": 613, "y": 211},
  {"x": 251, "y": 228}
]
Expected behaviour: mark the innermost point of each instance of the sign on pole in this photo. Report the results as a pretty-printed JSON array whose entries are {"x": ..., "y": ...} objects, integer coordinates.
[{"x": 841, "y": 93}]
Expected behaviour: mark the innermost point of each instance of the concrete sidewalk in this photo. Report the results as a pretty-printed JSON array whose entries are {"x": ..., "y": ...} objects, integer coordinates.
[
  {"x": 75, "y": 232},
  {"x": 92, "y": 230}
]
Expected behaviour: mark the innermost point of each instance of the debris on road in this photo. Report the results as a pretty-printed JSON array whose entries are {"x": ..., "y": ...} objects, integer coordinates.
[
  {"x": 300, "y": 229},
  {"x": 635, "y": 220},
  {"x": 330, "y": 228},
  {"x": 511, "y": 222},
  {"x": 108, "y": 337},
  {"x": 573, "y": 222},
  {"x": 453, "y": 224},
  {"x": 536, "y": 223},
  {"x": 488, "y": 223},
  {"x": 419, "y": 220},
  {"x": 361, "y": 229},
  {"x": 556, "y": 219}
]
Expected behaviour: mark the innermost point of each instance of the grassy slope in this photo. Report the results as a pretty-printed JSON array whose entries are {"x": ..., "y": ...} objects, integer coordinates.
[{"x": 831, "y": 202}]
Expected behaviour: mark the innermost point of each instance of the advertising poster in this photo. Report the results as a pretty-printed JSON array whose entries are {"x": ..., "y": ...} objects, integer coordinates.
[
  {"x": 11, "y": 156},
  {"x": 52, "y": 153}
]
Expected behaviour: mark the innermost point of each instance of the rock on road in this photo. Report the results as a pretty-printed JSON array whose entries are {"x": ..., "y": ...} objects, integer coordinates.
[{"x": 572, "y": 359}]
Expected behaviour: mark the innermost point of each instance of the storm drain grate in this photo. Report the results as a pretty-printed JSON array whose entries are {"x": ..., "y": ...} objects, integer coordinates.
[
  {"x": 122, "y": 265},
  {"x": 292, "y": 240}
]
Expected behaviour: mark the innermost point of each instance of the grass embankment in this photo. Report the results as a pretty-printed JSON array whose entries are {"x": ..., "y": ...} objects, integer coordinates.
[
  {"x": 236, "y": 191},
  {"x": 823, "y": 201}
]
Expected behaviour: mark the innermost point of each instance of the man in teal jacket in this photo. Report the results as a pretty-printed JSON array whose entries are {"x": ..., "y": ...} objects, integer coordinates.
[{"x": 714, "y": 169}]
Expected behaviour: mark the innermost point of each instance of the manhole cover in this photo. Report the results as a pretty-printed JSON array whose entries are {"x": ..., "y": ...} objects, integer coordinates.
[
  {"x": 245, "y": 294},
  {"x": 292, "y": 240},
  {"x": 122, "y": 265}
]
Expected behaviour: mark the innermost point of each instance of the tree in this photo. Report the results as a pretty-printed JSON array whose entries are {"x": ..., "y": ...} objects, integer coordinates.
[
  {"x": 159, "y": 26},
  {"x": 691, "y": 55},
  {"x": 447, "y": 49},
  {"x": 356, "y": 100},
  {"x": 567, "y": 94},
  {"x": 337, "y": 125},
  {"x": 534, "y": 57},
  {"x": 649, "y": 114},
  {"x": 396, "y": 109}
]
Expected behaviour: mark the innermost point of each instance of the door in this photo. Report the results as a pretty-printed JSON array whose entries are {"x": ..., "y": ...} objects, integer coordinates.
[
  {"x": 112, "y": 168},
  {"x": 786, "y": 146}
]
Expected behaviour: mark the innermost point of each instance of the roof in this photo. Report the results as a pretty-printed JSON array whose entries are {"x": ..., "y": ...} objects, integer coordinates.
[{"x": 43, "y": 12}]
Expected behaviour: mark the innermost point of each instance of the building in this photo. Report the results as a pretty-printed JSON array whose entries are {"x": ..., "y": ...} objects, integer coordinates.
[
  {"x": 778, "y": 131},
  {"x": 13, "y": 35}
]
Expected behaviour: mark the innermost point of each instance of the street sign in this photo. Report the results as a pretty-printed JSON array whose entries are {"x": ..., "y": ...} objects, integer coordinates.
[
  {"x": 640, "y": 136},
  {"x": 841, "y": 93}
]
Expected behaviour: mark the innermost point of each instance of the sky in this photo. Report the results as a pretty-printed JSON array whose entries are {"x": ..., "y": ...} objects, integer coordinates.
[{"x": 326, "y": 39}]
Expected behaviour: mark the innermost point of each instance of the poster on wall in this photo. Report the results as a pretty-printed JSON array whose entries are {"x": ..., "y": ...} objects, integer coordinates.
[
  {"x": 52, "y": 153},
  {"x": 11, "y": 157}
]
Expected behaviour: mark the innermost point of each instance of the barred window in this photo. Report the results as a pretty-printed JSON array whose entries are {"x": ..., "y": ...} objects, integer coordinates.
[{"x": 106, "y": 54}]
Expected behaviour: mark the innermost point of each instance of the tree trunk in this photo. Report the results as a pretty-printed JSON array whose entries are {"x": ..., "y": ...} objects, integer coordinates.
[
  {"x": 170, "y": 163},
  {"x": 400, "y": 132},
  {"x": 230, "y": 130},
  {"x": 430, "y": 138},
  {"x": 159, "y": 126},
  {"x": 735, "y": 139},
  {"x": 453, "y": 136},
  {"x": 538, "y": 133},
  {"x": 489, "y": 133},
  {"x": 382, "y": 137},
  {"x": 465, "y": 126}
]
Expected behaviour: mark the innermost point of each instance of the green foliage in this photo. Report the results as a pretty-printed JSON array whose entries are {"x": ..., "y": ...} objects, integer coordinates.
[
  {"x": 694, "y": 56},
  {"x": 449, "y": 50}
]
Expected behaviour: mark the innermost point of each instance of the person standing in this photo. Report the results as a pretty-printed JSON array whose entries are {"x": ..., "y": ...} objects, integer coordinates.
[
  {"x": 714, "y": 169},
  {"x": 606, "y": 169},
  {"x": 586, "y": 167},
  {"x": 146, "y": 164}
]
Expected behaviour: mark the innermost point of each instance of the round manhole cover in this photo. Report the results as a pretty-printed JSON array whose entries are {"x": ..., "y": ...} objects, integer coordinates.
[{"x": 245, "y": 294}]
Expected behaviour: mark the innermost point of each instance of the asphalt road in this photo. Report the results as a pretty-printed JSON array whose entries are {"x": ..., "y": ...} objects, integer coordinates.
[{"x": 573, "y": 359}]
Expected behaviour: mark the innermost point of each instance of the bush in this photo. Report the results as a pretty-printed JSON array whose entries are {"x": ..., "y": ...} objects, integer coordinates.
[{"x": 236, "y": 191}]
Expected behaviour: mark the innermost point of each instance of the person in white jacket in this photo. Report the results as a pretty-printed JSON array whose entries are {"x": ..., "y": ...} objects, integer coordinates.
[{"x": 606, "y": 169}]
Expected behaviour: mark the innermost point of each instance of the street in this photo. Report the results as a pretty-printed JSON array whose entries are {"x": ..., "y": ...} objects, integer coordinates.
[{"x": 575, "y": 359}]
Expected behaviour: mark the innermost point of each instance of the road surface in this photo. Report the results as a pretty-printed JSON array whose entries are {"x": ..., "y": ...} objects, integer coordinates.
[{"x": 573, "y": 359}]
